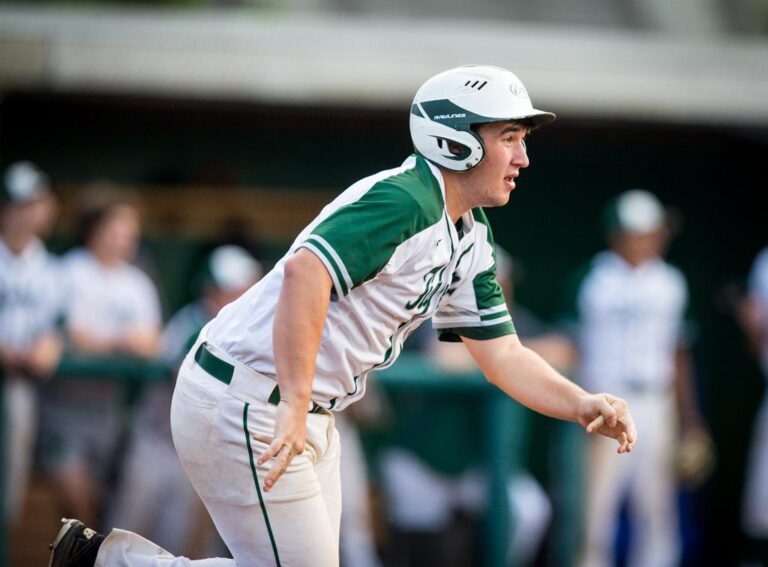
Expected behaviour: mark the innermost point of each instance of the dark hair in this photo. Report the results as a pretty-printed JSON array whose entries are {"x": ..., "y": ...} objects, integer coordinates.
[{"x": 97, "y": 205}]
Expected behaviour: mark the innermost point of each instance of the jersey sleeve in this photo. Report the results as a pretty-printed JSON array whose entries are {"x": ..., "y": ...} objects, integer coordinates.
[
  {"x": 476, "y": 308},
  {"x": 358, "y": 239}
]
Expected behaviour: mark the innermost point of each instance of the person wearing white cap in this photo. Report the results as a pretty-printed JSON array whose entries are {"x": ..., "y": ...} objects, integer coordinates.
[
  {"x": 252, "y": 414},
  {"x": 754, "y": 319},
  {"x": 30, "y": 304},
  {"x": 158, "y": 500},
  {"x": 630, "y": 307},
  {"x": 112, "y": 309}
]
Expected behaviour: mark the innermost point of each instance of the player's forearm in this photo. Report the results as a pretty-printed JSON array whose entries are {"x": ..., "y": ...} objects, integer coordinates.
[
  {"x": 525, "y": 376},
  {"x": 298, "y": 325}
]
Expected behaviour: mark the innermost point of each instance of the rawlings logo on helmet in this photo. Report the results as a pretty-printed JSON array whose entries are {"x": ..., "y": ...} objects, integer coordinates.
[{"x": 449, "y": 116}]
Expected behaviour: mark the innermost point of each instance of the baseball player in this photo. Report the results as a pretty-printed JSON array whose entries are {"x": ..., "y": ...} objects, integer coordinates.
[
  {"x": 755, "y": 322},
  {"x": 30, "y": 304},
  {"x": 630, "y": 308},
  {"x": 112, "y": 308},
  {"x": 252, "y": 413}
]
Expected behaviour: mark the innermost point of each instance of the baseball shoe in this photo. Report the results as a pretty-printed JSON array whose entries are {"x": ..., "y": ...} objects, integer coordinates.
[{"x": 75, "y": 546}]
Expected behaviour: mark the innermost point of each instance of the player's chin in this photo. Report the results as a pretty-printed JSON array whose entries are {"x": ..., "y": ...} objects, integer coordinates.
[{"x": 502, "y": 197}]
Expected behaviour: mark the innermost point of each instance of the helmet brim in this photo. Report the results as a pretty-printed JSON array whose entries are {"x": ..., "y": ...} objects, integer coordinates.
[{"x": 536, "y": 119}]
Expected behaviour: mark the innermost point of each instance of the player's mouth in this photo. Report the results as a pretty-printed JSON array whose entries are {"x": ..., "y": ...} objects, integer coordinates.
[{"x": 509, "y": 182}]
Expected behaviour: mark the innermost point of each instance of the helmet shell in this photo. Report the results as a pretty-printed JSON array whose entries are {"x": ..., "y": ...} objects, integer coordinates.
[{"x": 447, "y": 105}]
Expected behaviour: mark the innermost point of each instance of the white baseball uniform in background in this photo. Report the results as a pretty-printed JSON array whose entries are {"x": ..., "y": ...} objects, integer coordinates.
[
  {"x": 630, "y": 326},
  {"x": 30, "y": 305},
  {"x": 756, "y": 491},
  {"x": 395, "y": 259},
  {"x": 81, "y": 418}
]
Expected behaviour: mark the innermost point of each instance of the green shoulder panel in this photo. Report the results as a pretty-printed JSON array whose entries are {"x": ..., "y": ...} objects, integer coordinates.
[
  {"x": 358, "y": 239},
  {"x": 488, "y": 292}
]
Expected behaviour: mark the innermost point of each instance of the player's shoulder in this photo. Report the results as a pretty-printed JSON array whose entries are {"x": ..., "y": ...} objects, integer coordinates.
[
  {"x": 672, "y": 272},
  {"x": 412, "y": 189},
  {"x": 761, "y": 261},
  {"x": 77, "y": 259}
]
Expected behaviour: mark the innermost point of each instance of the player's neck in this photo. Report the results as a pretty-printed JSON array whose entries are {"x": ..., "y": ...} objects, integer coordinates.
[
  {"x": 456, "y": 202},
  {"x": 16, "y": 241},
  {"x": 106, "y": 258}
]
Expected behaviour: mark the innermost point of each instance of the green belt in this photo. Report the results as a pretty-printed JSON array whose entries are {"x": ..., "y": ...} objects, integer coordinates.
[{"x": 223, "y": 372}]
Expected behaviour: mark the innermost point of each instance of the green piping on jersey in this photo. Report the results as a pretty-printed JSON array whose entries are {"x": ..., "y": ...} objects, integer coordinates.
[
  {"x": 362, "y": 236},
  {"x": 256, "y": 482},
  {"x": 387, "y": 356},
  {"x": 487, "y": 289},
  {"x": 496, "y": 315},
  {"x": 329, "y": 256},
  {"x": 477, "y": 333}
]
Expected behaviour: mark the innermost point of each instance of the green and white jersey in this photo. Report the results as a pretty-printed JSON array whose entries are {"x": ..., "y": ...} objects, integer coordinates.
[
  {"x": 396, "y": 260},
  {"x": 31, "y": 295}
]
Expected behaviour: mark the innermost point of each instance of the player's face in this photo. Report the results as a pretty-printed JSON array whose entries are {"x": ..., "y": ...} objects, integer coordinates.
[
  {"x": 34, "y": 217},
  {"x": 117, "y": 237},
  {"x": 505, "y": 155},
  {"x": 637, "y": 248}
]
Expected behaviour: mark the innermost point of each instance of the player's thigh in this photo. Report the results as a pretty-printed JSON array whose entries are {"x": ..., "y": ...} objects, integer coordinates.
[
  {"x": 290, "y": 524},
  {"x": 328, "y": 470},
  {"x": 215, "y": 437}
]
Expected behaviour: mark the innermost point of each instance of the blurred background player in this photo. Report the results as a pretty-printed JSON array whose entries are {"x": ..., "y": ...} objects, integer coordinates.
[
  {"x": 754, "y": 318},
  {"x": 154, "y": 496},
  {"x": 30, "y": 303},
  {"x": 112, "y": 309},
  {"x": 630, "y": 307}
]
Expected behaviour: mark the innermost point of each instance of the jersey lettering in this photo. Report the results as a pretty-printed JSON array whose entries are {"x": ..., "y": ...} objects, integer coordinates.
[{"x": 433, "y": 280}]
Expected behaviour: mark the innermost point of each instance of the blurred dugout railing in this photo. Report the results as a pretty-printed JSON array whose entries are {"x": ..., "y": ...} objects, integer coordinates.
[{"x": 502, "y": 435}]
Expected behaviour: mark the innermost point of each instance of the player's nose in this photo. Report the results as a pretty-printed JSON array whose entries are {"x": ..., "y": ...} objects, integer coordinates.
[{"x": 520, "y": 155}]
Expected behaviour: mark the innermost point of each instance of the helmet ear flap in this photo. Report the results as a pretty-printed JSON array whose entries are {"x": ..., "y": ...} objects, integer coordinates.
[{"x": 432, "y": 140}]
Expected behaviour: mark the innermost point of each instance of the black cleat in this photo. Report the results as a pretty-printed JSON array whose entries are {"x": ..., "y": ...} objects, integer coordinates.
[{"x": 75, "y": 546}]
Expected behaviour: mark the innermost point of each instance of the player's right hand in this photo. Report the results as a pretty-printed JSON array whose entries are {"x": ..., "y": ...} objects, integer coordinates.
[
  {"x": 288, "y": 441},
  {"x": 608, "y": 415}
]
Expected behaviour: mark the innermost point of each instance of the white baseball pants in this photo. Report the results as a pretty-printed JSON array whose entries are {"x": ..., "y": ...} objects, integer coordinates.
[
  {"x": 296, "y": 524},
  {"x": 756, "y": 492},
  {"x": 20, "y": 412}
]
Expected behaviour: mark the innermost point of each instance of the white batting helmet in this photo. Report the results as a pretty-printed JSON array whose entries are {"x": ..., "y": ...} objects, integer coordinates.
[{"x": 447, "y": 105}]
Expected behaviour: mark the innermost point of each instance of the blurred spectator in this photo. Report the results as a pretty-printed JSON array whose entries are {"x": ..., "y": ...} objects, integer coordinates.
[
  {"x": 158, "y": 500},
  {"x": 30, "y": 303},
  {"x": 630, "y": 307},
  {"x": 754, "y": 319},
  {"x": 432, "y": 511},
  {"x": 112, "y": 309}
]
